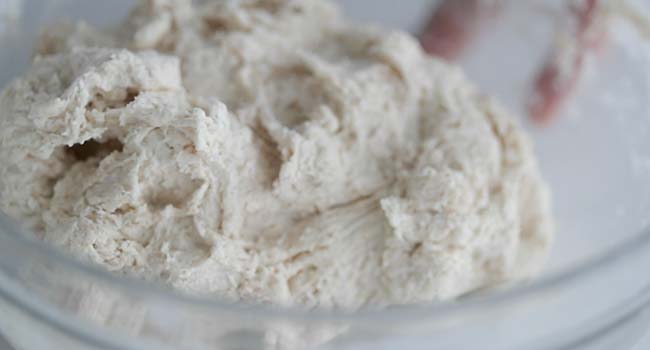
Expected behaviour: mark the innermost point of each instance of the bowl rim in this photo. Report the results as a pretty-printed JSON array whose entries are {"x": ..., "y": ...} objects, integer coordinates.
[{"x": 554, "y": 281}]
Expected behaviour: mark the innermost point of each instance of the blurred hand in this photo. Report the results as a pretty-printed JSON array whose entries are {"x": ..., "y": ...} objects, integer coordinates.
[{"x": 455, "y": 23}]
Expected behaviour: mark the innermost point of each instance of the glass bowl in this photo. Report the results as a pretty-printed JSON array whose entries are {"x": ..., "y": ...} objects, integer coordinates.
[{"x": 594, "y": 294}]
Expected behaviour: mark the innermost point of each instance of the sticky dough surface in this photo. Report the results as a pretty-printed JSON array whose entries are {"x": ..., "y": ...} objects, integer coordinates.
[{"x": 270, "y": 151}]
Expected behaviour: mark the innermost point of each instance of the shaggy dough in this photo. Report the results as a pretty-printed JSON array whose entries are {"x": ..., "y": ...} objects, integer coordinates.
[{"x": 270, "y": 151}]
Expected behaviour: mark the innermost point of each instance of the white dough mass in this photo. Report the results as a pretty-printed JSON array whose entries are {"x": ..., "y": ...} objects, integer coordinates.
[{"x": 270, "y": 151}]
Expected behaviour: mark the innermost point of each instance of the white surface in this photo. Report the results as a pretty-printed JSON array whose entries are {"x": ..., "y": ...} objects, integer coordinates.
[{"x": 644, "y": 343}]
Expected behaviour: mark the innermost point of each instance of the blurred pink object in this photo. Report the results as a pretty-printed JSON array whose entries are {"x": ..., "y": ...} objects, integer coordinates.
[
  {"x": 455, "y": 23},
  {"x": 558, "y": 79}
]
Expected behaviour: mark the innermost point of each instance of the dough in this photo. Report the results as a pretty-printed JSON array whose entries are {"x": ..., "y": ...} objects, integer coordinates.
[{"x": 270, "y": 151}]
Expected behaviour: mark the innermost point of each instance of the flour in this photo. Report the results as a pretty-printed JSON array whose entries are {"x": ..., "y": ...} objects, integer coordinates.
[{"x": 270, "y": 151}]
